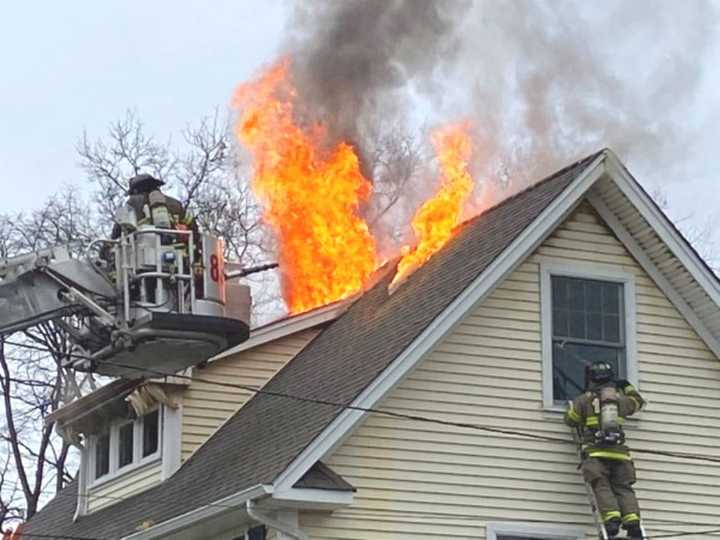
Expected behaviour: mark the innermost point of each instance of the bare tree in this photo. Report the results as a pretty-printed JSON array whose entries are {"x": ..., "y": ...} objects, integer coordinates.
[
  {"x": 33, "y": 378},
  {"x": 204, "y": 171},
  {"x": 398, "y": 161},
  {"x": 125, "y": 152},
  {"x": 11, "y": 508}
]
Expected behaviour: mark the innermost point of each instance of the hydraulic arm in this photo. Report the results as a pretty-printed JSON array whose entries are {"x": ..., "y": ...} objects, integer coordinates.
[{"x": 154, "y": 300}]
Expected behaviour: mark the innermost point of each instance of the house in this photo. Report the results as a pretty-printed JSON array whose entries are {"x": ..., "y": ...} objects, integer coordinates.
[{"x": 488, "y": 332}]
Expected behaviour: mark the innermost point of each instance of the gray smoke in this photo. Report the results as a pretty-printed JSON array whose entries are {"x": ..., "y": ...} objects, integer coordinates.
[
  {"x": 542, "y": 82},
  {"x": 556, "y": 80},
  {"x": 354, "y": 62}
]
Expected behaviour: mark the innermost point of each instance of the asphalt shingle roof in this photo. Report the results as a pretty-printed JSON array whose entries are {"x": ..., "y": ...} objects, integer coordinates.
[{"x": 269, "y": 432}]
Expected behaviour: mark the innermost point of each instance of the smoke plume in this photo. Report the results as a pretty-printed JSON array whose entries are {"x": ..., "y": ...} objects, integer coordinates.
[
  {"x": 542, "y": 82},
  {"x": 355, "y": 62}
]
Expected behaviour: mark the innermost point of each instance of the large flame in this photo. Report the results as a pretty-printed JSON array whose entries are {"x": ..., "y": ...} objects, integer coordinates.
[
  {"x": 310, "y": 196},
  {"x": 435, "y": 221}
]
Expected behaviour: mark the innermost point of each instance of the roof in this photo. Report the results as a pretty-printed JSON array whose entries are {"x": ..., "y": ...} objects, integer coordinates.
[
  {"x": 268, "y": 433},
  {"x": 89, "y": 410},
  {"x": 288, "y": 325}
]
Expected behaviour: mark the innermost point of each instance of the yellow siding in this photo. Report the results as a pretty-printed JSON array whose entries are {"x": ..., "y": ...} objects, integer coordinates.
[
  {"x": 124, "y": 486},
  {"x": 430, "y": 481},
  {"x": 207, "y": 406}
]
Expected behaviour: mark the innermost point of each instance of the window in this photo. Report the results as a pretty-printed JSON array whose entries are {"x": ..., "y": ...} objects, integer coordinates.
[
  {"x": 125, "y": 445},
  {"x": 533, "y": 531},
  {"x": 151, "y": 433},
  {"x": 587, "y": 325},
  {"x": 102, "y": 455},
  {"x": 586, "y": 316},
  {"x": 256, "y": 533}
]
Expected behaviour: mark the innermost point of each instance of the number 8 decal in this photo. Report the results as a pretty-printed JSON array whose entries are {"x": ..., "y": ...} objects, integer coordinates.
[{"x": 214, "y": 268}]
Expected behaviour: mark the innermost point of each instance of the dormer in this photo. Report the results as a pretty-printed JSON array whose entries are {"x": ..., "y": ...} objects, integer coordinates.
[{"x": 128, "y": 434}]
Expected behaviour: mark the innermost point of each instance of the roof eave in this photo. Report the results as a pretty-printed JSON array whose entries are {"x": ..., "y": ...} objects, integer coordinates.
[
  {"x": 680, "y": 247},
  {"x": 205, "y": 513},
  {"x": 288, "y": 326}
]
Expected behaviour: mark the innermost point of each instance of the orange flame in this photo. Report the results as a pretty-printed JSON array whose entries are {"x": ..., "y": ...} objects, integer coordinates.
[
  {"x": 310, "y": 197},
  {"x": 435, "y": 221}
]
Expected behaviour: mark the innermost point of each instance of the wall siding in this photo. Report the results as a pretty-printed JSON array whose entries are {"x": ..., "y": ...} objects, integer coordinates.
[
  {"x": 431, "y": 481},
  {"x": 126, "y": 485},
  {"x": 207, "y": 406}
]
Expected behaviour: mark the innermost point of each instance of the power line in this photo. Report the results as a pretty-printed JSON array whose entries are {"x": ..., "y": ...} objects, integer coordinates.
[
  {"x": 370, "y": 410},
  {"x": 706, "y": 532},
  {"x": 376, "y": 511}
]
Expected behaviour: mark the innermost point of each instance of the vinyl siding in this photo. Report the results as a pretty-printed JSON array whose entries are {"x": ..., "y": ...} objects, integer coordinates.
[
  {"x": 432, "y": 481},
  {"x": 124, "y": 486},
  {"x": 206, "y": 406}
]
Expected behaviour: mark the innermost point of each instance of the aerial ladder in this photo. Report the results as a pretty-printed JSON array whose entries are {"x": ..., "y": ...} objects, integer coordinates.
[{"x": 151, "y": 301}]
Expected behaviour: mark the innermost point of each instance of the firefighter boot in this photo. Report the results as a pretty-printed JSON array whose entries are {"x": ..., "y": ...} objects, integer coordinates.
[
  {"x": 612, "y": 527},
  {"x": 633, "y": 529}
]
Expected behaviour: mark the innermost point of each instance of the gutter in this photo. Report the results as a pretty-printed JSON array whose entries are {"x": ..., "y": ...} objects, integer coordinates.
[
  {"x": 266, "y": 520},
  {"x": 208, "y": 511}
]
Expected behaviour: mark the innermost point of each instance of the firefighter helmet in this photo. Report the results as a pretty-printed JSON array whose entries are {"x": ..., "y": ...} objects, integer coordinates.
[
  {"x": 601, "y": 372},
  {"x": 144, "y": 183}
]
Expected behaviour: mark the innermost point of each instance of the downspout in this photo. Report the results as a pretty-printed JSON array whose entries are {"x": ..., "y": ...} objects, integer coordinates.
[
  {"x": 82, "y": 498},
  {"x": 272, "y": 523}
]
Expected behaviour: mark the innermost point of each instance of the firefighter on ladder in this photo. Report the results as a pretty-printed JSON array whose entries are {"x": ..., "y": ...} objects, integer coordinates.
[{"x": 598, "y": 414}]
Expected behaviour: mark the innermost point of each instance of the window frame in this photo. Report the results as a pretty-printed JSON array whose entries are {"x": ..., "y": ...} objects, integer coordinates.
[
  {"x": 553, "y": 268},
  {"x": 530, "y": 530},
  {"x": 138, "y": 460}
]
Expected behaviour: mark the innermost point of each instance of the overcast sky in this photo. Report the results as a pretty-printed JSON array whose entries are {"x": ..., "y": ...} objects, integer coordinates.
[{"x": 74, "y": 66}]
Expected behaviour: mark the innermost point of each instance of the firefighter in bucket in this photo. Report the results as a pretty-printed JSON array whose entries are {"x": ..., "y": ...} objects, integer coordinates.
[{"x": 598, "y": 415}]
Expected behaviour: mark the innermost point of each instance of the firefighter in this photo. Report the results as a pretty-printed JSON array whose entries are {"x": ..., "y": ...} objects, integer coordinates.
[
  {"x": 598, "y": 414},
  {"x": 152, "y": 206}
]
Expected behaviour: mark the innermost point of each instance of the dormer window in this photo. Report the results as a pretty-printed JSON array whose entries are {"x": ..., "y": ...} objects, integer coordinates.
[{"x": 125, "y": 445}]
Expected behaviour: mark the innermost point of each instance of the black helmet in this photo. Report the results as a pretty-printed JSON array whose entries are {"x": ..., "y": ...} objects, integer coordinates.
[
  {"x": 144, "y": 183},
  {"x": 601, "y": 372}
]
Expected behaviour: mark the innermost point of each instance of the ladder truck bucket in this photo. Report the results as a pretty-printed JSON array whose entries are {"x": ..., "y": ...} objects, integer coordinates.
[{"x": 152, "y": 302}]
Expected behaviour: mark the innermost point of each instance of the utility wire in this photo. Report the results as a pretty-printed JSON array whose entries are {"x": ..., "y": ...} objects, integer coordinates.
[
  {"x": 369, "y": 410},
  {"x": 21, "y": 535},
  {"x": 380, "y": 512}
]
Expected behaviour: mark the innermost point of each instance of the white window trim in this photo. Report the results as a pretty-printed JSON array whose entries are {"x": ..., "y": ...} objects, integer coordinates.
[
  {"x": 549, "y": 268},
  {"x": 138, "y": 461},
  {"x": 545, "y": 530}
]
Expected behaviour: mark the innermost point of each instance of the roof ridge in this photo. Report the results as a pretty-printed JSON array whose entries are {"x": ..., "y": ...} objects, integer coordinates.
[{"x": 589, "y": 159}]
